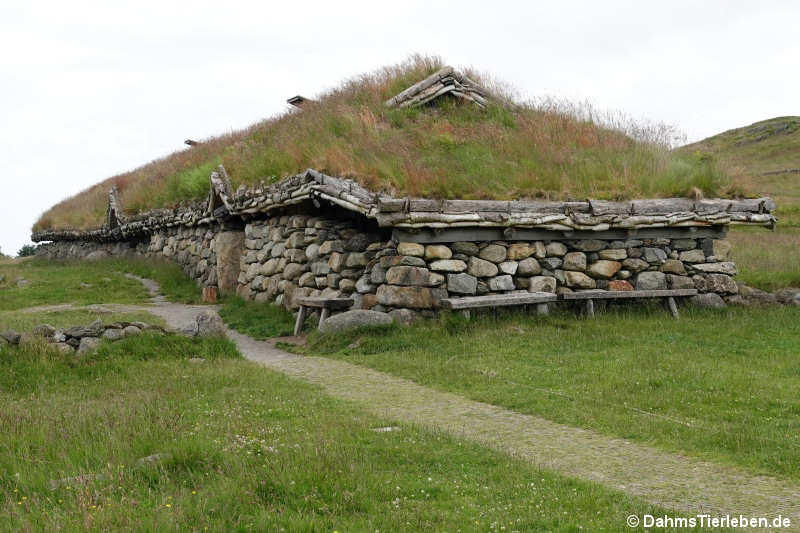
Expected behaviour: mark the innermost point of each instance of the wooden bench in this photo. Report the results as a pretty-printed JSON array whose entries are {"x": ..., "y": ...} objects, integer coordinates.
[
  {"x": 590, "y": 296},
  {"x": 326, "y": 304},
  {"x": 540, "y": 299}
]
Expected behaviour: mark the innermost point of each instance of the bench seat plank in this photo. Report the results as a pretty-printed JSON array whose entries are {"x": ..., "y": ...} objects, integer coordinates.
[
  {"x": 606, "y": 295},
  {"x": 499, "y": 300},
  {"x": 329, "y": 303}
]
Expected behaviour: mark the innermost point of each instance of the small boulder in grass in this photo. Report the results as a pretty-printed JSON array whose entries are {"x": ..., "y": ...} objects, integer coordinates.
[
  {"x": 709, "y": 300},
  {"x": 11, "y": 336},
  {"x": 208, "y": 324},
  {"x": 45, "y": 331},
  {"x": 63, "y": 347},
  {"x": 354, "y": 319},
  {"x": 130, "y": 331},
  {"x": 113, "y": 334},
  {"x": 88, "y": 345},
  {"x": 95, "y": 329}
]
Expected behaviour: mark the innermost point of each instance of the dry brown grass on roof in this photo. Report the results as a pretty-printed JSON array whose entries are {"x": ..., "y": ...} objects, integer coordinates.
[{"x": 544, "y": 149}]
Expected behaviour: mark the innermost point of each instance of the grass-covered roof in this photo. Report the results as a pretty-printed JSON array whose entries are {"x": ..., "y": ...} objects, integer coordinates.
[{"x": 447, "y": 148}]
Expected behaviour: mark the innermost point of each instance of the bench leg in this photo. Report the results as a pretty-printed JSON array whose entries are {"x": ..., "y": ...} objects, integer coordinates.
[
  {"x": 542, "y": 309},
  {"x": 465, "y": 313},
  {"x": 590, "y": 308},
  {"x": 324, "y": 315},
  {"x": 673, "y": 307},
  {"x": 301, "y": 317}
]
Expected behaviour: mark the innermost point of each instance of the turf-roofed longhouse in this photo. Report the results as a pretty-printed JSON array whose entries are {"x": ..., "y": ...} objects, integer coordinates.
[{"x": 422, "y": 184}]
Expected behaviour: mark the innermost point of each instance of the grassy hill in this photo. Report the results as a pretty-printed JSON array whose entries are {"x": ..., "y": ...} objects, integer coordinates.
[
  {"x": 761, "y": 158},
  {"x": 553, "y": 150}
]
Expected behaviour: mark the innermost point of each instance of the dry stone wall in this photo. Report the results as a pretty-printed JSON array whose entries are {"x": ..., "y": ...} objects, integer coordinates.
[
  {"x": 193, "y": 248},
  {"x": 415, "y": 277},
  {"x": 280, "y": 258},
  {"x": 300, "y": 255}
]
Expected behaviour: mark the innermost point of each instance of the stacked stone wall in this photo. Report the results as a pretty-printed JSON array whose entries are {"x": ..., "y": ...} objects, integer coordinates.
[
  {"x": 280, "y": 258},
  {"x": 415, "y": 277},
  {"x": 194, "y": 249},
  {"x": 300, "y": 255}
]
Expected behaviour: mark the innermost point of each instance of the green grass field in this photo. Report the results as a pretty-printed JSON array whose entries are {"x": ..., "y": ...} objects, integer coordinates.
[
  {"x": 721, "y": 385},
  {"x": 747, "y": 153},
  {"x": 84, "y": 283},
  {"x": 243, "y": 448},
  {"x": 767, "y": 260},
  {"x": 260, "y": 321}
]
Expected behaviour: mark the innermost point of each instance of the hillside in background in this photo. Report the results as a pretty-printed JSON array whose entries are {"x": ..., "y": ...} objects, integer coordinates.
[
  {"x": 447, "y": 149},
  {"x": 764, "y": 158}
]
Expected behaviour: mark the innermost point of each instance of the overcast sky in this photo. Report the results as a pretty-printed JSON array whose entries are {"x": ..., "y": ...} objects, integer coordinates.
[{"x": 88, "y": 90}]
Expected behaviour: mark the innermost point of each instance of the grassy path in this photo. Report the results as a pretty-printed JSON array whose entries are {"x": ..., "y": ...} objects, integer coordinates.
[
  {"x": 662, "y": 478},
  {"x": 666, "y": 479}
]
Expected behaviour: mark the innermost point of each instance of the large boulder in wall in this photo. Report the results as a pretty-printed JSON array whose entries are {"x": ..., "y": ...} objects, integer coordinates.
[{"x": 229, "y": 247}]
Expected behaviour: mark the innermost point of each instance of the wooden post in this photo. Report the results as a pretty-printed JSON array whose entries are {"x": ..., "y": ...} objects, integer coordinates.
[
  {"x": 673, "y": 307},
  {"x": 465, "y": 313},
  {"x": 542, "y": 309},
  {"x": 590, "y": 308},
  {"x": 301, "y": 317},
  {"x": 210, "y": 295},
  {"x": 326, "y": 311}
]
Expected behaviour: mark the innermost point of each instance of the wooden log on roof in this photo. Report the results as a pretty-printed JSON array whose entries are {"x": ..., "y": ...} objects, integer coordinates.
[
  {"x": 419, "y": 86},
  {"x": 662, "y": 206},
  {"x": 604, "y": 207}
]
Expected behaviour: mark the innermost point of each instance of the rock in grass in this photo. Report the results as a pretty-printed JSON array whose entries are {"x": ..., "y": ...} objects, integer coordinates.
[
  {"x": 403, "y": 316},
  {"x": 11, "y": 336},
  {"x": 113, "y": 334},
  {"x": 354, "y": 319},
  {"x": 788, "y": 297},
  {"x": 63, "y": 347},
  {"x": 95, "y": 329},
  {"x": 208, "y": 324},
  {"x": 44, "y": 330},
  {"x": 88, "y": 345},
  {"x": 131, "y": 331},
  {"x": 709, "y": 300}
]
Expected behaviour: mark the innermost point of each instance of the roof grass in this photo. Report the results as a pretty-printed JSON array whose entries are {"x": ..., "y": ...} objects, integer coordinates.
[{"x": 447, "y": 149}]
